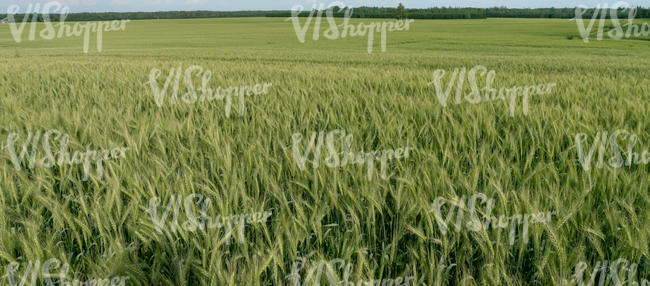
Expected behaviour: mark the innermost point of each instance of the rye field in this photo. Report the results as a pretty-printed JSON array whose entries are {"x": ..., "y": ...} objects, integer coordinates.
[{"x": 268, "y": 212}]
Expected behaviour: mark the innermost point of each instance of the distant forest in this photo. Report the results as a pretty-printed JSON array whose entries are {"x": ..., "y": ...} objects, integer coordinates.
[
  {"x": 361, "y": 12},
  {"x": 469, "y": 13}
]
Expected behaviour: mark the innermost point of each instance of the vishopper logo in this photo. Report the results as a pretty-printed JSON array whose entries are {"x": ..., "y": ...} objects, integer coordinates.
[
  {"x": 49, "y": 275},
  {"x": 620, "y": 272},
  {"x": 203, "y": 222},
  {"x": 600, "y": 143},
  {"x": 207, "y": 93},
  {"x": 333, "y": 33},
  {"x": 333, "y": 160},
  {"x": 62, "y": 29},
  {"x": 313, "y": 274},
  {"x": 617, "y": 32},
  {"x": 486, "y": 94},
  {"x": 475, "y": 213},
  {"x": 64, "y": 158}
]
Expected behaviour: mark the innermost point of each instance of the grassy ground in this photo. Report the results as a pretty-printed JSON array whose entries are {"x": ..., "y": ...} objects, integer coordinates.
[{"x": 527, "y": 164}]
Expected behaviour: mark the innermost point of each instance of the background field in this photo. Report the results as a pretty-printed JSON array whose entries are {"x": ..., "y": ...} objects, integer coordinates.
[{"x": 384, "y": 227}]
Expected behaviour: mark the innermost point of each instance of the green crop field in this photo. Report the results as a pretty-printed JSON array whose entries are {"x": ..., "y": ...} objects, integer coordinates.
[{"x": 244, "y": 162}]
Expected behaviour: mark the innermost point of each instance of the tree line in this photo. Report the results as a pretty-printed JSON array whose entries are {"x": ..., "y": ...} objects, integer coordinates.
[
  {"x": 466, "y": 13},
  {"x": 561, "y": 13},
  {"x": 361, "y": 12},
  {"x": 108, "y": 16}
]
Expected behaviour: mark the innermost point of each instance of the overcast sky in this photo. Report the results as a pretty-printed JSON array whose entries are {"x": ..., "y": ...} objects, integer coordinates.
[{"x": 233, "y": 5}]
